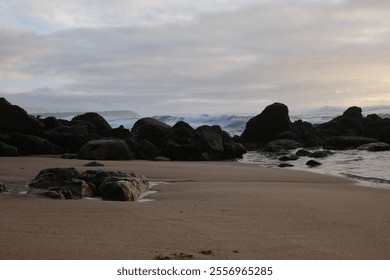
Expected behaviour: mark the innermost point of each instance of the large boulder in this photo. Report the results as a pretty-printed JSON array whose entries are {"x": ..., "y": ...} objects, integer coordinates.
[
  {"x": 211, "y": 138},
  {"x": 50, "y": 122},
  {"x": 231, "y": 149},
  {"x": 105, "y": 149},
  {"x": 8, "y": 150},
  {"x": 351, "y": 123},
  {"x": 353, "y": 112},
  {"x": 94, "y": 118},
  {"x": 146, "y": 150},
  {"x": 116, "y": 185},
  {"x": 182, "y": 143},
  {"x": 15, "y": 119},
  {"x": 151, "y": 129},
  {"x": 71, "y": 138},
  {"x": 68, "y": 183},
  {"x": 267, "y": 125},
  {"x": 52, "y": 177},
  {"x": 124, "y": 190},
  {"x": 32, "y": 145}
]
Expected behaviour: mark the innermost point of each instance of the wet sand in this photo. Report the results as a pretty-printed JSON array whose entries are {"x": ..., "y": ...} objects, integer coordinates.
[{"x": 201, "y": 210}]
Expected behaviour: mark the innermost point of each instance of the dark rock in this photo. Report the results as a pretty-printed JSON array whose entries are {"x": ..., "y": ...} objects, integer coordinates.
[
  {"x": 151, "y": 130},
  {"x": 375, "y": 147},
  {"x": 289, "y": 158},
  {"x": 347, "y": 142},
  {"x": 182, "y": 143},
  {"x": 353, "y": 112},
  {"x": 33, "y": 145},
  {"x": 8, "y": 150},
  {"x": 118, "y": 185},
  {"x": 211, "y": 138},
  {"x": 50, "y": 122},
  {"x": 287, "y": 134},
  {"x": 94, "y": 118},
  {"x": 269, "y": 123},
  {"x": 384, "y": 134},
  {"x": 69, "y": 156},
  {"x": 303, "y": 153},
  {"x": 118, "y": 133},
  {"x": 15, "y": 119},
  {"x": 162, "y": 159},
  {"x": 312, "y": 163},
  {"x": 351, "y": 123},
  {"x": 231, "y": 149},
  {"x": 78, "y": 188},
  {"x": 71, "y": 138},
  {"x": 146, "y": 150},
  {"x": 53, "y": 177},
  {"x": 321, "y": 154},
  {"x": 283, "y": 165},
  {"x": 105, "y": 149},
  {"x": 93, "y": 163},
  {"x": 307, "y": 134},
  {"x": 67, "y": 183},
  {"x": 281, "y": 144},
  {"x": 2, "y": 188}
]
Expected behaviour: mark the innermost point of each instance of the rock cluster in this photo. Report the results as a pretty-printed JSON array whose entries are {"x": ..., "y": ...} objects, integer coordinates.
[
  {"x": 348, "y": 131},
  {"x": 68, "y": 183},
  {"x": 273, "y": 132},
  {"x": 89, "y": 136}
]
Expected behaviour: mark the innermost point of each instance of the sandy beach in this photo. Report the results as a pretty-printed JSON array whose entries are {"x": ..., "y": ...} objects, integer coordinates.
[{"x": 201, "y": 210}]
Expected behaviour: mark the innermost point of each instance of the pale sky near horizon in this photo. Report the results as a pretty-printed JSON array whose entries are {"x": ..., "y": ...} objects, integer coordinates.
[{"x": 178, "y": 56}]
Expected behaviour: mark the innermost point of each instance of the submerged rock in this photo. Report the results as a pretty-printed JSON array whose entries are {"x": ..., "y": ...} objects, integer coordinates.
[
  {"x": 375, "y": 147},
  {"x": 313, "y": 163}
]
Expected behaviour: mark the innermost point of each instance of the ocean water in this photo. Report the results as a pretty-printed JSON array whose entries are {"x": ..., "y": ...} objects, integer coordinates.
[{"x": 368, "y": 168}]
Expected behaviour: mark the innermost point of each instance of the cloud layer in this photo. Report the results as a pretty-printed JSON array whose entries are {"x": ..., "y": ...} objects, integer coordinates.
[{"x": 182, "y": 57}]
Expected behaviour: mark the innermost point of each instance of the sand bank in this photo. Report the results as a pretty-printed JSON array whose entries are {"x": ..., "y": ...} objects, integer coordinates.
[{"x": 204, "y": 210}]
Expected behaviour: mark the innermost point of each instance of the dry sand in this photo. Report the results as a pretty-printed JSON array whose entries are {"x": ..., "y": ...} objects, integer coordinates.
[{"x": 203, "y": 210}]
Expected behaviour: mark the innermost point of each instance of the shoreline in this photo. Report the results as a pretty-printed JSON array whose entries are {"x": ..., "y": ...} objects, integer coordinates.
[{"x": 234, "y": 210}]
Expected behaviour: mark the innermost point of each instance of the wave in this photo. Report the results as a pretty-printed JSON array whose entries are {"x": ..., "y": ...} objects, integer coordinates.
[{"x": 233, "y": 124}]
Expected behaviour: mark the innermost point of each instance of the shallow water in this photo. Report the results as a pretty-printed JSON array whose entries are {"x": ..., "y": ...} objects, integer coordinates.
[{"x": 369, "y": 168}]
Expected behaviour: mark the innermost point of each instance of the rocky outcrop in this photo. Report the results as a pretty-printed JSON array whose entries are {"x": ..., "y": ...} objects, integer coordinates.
[
  {"x": 151, "y": 130},
  {"x": 68, "y": 183},
  {"x": 267, "y": 125},
  {"x": 15, "y": 119},
  {"x": 211, "y": 138},
  {"x": 91, "y": 137},
  {"x": 347, "y": 142},
  {"x": 116, "y": 185},
  {"x": 52, "y": 177},
  {"x": 105, "y": 149},
  {"x": 8, "y": 150},
  {"x": 93, "y": 118},
  {"x": 32, "y": 145},
  {"x": 313, "y": 163}
]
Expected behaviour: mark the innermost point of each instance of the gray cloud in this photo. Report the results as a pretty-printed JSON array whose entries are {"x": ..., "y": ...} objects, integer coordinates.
[{"x": 238, "y": 59}]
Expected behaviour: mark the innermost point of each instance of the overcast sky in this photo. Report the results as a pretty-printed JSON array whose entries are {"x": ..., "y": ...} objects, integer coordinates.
[{"x": 182, "y": 56}]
